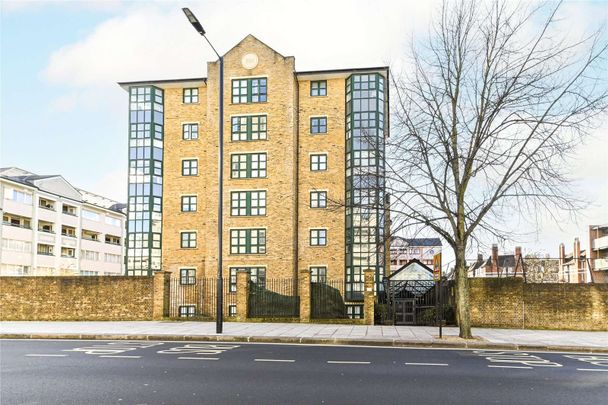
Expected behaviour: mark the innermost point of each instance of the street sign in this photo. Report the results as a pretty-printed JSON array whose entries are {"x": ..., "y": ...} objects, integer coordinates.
[{"x": 437, "y": 267}]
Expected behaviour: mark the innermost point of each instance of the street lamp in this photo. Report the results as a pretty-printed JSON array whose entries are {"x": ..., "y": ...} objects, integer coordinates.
[{"x": 220, "y": 164}]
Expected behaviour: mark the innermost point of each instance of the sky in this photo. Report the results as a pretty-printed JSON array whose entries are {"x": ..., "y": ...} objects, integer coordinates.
[{"x": 61, "y": 111}]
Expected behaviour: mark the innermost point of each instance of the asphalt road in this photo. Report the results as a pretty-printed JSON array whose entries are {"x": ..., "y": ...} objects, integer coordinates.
[{"x": 140, "y": 372}]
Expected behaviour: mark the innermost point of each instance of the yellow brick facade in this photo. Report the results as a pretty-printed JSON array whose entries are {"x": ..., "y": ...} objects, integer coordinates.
[{"x": 289, "y": 181}]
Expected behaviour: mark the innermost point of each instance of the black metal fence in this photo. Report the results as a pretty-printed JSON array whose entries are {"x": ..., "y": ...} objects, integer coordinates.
[
  {"x": 197, "y": 298},
  {"x": 326, "y": 300},
  {"x": 276, "y": 298}
]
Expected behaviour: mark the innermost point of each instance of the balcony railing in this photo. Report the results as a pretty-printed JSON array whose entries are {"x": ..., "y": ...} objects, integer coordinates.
[
  {"x": 16, "y": 225},
  {"x": 600, "y": 243},
  {"x": 600, "y": 264}
]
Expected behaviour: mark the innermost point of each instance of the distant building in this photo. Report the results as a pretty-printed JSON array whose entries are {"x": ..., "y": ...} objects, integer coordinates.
[
  {"x": 403, "y": 250},
  {"x": 598, "y": 252},
  {"x": 573, "y": 266},
  {"x": 507, "y": 265},
  {"x": 51, "y": 228}
]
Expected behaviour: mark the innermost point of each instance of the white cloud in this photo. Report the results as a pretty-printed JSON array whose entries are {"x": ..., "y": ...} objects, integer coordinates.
[
  {"x": 13, "y": 6},
  {"x": 156, "y": 41}
]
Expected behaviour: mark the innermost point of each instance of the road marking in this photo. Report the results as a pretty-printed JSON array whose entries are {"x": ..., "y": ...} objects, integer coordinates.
[
  {"x": 122, "y": 357},
  {"x": 596, "y": 360},
  {"x": 276, "y": 360},
  {"x": 523, "y": 359},
  {"x": 347, "y": 362},
  {"x": 46, "y": 355},
  {"x": 592, "y": 369},
  {"x": 113, "y": 348},
  {"x": 522, "y": 367},
  {"x": 198, "y": 358},
  {"x": 199, "y": 348},
  {"x": 426, "y": 364}
]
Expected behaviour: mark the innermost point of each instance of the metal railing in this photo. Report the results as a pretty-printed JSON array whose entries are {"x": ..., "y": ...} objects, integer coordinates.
[
  {"x": 198, "y": 298},
  {"x": 327, "y": 300},
  {"x": 276, "y": 298}
]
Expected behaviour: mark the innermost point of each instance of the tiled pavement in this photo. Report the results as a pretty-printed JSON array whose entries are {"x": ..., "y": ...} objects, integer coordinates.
[{"x": 311, "y": 333}]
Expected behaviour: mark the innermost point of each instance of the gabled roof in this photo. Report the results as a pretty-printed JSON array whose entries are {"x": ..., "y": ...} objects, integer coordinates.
[
  {"x": 409, "y": 264},
  {"x": 253, "y": 37}
]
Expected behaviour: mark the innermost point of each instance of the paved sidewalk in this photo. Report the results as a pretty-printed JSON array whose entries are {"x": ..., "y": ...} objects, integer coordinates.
[{"x": 312, "y": 333}]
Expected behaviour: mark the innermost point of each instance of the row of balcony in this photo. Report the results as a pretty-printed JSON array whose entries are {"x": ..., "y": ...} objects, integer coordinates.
[{"x": 69, "y": 231}]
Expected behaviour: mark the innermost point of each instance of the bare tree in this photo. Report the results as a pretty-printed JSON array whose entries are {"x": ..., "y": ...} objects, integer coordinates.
[{"x": 483, "y": 126}]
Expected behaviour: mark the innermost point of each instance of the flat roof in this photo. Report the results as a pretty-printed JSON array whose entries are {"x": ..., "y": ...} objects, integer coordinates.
[
  {"x": 349, "y": 70},
  {"x": 202, "y": 80},
  {"x": 165, "y": 82}
]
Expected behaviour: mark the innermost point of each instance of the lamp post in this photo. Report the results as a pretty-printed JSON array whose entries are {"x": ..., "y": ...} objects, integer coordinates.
[{"x": 220, "y": 216}]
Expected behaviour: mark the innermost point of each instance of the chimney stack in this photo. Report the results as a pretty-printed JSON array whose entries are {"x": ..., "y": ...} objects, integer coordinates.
[
  {"x": 576, "y": 255},
  {"x": 495, "y": 258},
  {"x": 518, "y": 260},
  {"x": 562, "y": 259}
]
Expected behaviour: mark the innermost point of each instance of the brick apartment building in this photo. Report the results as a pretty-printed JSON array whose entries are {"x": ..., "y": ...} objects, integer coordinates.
[
  {"x": 303, "y": 170},
  {"x": 586, "y": 265},
  {"x": 598, "y": 252}
]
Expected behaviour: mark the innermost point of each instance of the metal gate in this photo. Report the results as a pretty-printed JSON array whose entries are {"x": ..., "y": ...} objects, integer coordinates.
[{"x": 405, "y": 311}]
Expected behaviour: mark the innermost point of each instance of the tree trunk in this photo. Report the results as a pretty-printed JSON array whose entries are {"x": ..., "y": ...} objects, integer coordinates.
[{"x": 462, "y": 294}]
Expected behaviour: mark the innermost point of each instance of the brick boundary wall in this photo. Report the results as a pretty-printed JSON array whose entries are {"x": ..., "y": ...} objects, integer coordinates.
[
  {"x": 511, "y": 303},
  {"x": 77, "y": 298}
]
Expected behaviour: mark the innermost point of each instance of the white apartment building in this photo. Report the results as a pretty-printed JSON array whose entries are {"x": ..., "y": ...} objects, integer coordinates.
[{"x": 50, "y": 228}]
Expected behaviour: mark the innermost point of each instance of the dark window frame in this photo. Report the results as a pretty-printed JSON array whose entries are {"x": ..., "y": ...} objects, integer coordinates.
[
  {"x": 318, "y": 274},
  {"x": 236, "y": 206},
  {"x": 320, "y": 166},
  {"x": 186, "y": 243},
  {"x": 187, "y": 311},
  {"x": 187, "y": 276},
  {"x": 245, "y": 90},
  {"x": 318, "y": 235},
  {"x": 315, "y": 199},
  {"x": 250, "y": 248},
  {"x": 189, "y": 201},
  {"x": 318, "y": 125},
  {"x": 190, "y": 95},
  {"x": 188, "y": 169},
  {"x": 318, "y": 88},
  {"x": 238, "y": 172},
  {"x": 255, "y": 128},
  {"x": 187, "y": 131}
]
